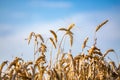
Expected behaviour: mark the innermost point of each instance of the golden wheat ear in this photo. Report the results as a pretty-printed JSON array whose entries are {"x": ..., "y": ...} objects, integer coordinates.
[
  {"x": 41, "y": 38},
  {"x": 62, "y": 29},
  {"x": 71, "y": 26},
  {"x": 3, "y": 64},
  {"x": 99, "y": 26},
  {"x": 84, "y": 43},
  {"x": 30, "y": 37},
  {"x": 52, "y": 41},
  {"x": 109, "y": 50},
  {"x": 54, "y": 34}
]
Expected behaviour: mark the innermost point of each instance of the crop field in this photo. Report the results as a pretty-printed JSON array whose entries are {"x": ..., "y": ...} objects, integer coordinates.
[{"x": 88, "y": 65}]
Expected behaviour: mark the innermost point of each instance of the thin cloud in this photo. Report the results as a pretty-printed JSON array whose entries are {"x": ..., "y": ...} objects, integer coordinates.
[
  {"x": 18, "y": 15},
  {"x": 51, "y": 4},
  {"x": 5, "y": 30}
]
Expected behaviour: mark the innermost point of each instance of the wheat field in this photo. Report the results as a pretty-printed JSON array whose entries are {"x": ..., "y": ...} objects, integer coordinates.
[{"x": 85, "y": 66}]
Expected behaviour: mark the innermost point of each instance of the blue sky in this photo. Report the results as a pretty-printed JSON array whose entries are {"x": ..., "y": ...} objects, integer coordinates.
[{"x": 19, "y": 18}]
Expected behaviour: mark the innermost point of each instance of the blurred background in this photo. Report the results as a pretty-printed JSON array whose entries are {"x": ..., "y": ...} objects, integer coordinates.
[{"x": 20, "y": 17}]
